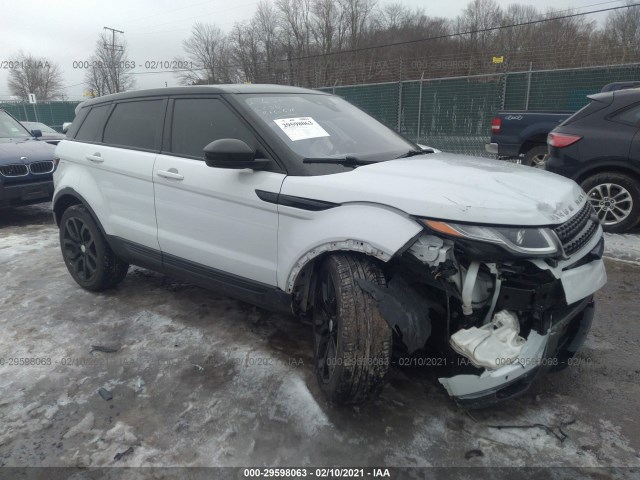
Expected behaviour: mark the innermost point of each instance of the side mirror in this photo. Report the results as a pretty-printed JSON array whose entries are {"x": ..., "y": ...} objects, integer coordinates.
[
  {"x": 65, "y": 127},
  {"x": 36, "y": 133},
  {"x": 232, "y": 153}
]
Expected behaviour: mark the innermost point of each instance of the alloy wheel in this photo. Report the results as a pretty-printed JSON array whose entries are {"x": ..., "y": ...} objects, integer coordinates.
[
  {"x": 612, "y": 203},
  {"x": 79, "y": 248},
  {"x": 326, "y": 327}
]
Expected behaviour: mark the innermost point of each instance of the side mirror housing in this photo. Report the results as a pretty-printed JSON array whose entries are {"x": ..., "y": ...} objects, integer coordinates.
[
  {"x": 232, "y": 153},
  {"x": 36, "y": 133},
  {"x": 65, "y": 127}
]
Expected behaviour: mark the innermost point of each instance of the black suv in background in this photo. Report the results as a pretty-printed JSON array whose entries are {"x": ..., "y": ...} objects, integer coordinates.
[
  {"x": 26, "y": 165},
  {"x": 599, "y": 147}
]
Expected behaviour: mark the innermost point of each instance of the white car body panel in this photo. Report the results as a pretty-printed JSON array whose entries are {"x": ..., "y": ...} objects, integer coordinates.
[
  {"x": 119, "y": 189},
  {"x": 228, "y": 227},
  {"x": 304, "y": 235},
  {"x": 451, "y": 187}
]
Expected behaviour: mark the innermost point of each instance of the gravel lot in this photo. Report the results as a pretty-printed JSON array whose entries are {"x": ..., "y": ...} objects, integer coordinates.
[{"x": 203, "y": 380}]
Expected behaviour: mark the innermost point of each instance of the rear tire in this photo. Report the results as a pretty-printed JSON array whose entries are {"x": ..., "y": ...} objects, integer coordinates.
[
  {"x": 616, "y": 200},
  {"x": 86, "y": 253},
  {"x": 535, "y": 157},
  {"x": 352, "y": 342}
]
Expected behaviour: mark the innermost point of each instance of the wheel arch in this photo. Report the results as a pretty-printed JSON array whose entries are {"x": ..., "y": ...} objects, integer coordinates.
[
  {"x": 302, "y": 278},
  {"x": 68, "y": 197},
  {"x": 604, "y": 168},
  {"x": 376, "y": 232},
  {"x": 533, "y": 141}
]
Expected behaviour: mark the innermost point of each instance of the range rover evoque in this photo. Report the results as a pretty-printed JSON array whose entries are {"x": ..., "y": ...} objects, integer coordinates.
[{"x": 297, "y": 201}]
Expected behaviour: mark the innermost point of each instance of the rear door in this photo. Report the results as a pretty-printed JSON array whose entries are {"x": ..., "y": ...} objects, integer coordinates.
[
  {"x": 118, "y": 144},
  {"x": 212, "y": 217}
]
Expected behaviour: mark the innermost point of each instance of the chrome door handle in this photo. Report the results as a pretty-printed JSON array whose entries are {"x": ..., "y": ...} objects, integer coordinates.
[
  {"x": 172, "y": 173},
  {"x": 95, "y": 158}
]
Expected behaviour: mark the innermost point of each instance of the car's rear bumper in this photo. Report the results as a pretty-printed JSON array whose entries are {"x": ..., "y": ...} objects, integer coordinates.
[
  {"x": 503, "y": 149},
  {"x": 566, "y": 335},
  {"x": 25, "y": 193},
  {"x": 491, "y": 148}
]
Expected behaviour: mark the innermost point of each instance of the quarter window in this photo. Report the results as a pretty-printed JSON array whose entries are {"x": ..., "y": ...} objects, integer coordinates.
[
  {"x": 630, "y": 115},
  {"x": 136, "y": 124},
  {"x": 198, "y": 122},
  {"x": 91, "y": 128}
]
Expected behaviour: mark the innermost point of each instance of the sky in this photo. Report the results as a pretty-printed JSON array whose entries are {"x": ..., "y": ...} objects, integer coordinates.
[{"x": 66, "y": 31}]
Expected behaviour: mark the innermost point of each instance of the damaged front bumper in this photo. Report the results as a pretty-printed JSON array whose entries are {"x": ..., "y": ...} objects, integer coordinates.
[{"x": 569, "y": 327}]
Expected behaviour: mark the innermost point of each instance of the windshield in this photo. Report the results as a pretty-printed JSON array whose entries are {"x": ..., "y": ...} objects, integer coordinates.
[
  {"x": 10, "y": 128},
  {"x": 38, "y": 126},
  {"x": 322, "y": 126}
]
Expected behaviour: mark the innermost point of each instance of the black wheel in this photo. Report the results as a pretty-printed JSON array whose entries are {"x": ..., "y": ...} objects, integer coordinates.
[
  {"x": 352, "y": 342},
  {"x": 535, "y": 157},
  {"x": 616, "y": 200},
  {"x": 88, "y": 257}
]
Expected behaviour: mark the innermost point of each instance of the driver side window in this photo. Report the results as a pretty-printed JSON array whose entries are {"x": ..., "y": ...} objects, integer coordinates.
[{"x": 197, "y": 122}]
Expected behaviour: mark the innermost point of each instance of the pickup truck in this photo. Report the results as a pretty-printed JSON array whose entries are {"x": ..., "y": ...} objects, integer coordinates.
[{"x": 523, "y": 134}]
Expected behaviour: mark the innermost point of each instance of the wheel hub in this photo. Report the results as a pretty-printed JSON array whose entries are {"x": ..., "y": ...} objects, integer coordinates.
[{"x": 83, "y": 248}]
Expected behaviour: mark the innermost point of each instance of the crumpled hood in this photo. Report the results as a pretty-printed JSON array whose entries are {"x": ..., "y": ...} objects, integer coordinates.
[
  {"x": 35, "y": 150},
  {"x": 451, "y": 187}
]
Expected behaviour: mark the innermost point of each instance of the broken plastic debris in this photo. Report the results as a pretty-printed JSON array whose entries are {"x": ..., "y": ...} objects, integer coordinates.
[
  {"x": 128, "y": 451},
  {"x": 101, "y": 348},
  {"x": 473, "y": 453},
  {"x": 105, "y": 394},
  {"x": 493, "y": 345},
  {"x": 139, "y": 385}
]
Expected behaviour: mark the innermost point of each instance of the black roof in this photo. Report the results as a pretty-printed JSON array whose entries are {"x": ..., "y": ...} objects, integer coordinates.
[{"x": 202, "y": 89}]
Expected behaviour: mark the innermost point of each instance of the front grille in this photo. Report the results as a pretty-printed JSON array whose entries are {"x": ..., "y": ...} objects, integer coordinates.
[
  {"x": 14, "y": 170},
  {"x": 576, "y": 232},
  {"x": 41, "y": 167}
]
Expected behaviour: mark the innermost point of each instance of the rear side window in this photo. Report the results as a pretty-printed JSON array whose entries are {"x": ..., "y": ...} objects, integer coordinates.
[
  {"x": 630, "y": 116},
  {"x": 136, "y": 125},
  {"x": 198, "y": 122},
  {"x": 91, "y": 128}
]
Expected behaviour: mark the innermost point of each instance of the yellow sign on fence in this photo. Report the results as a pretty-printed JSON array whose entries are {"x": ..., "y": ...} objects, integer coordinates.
[{"x": 499, "y": 59}]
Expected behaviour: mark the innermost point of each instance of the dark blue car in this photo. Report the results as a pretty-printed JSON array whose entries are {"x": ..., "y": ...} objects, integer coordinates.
[{"x": 26, "y": 165}]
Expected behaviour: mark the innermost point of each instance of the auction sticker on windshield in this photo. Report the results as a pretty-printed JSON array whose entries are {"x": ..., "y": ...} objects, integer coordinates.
[{"x": 301, "y": 128}]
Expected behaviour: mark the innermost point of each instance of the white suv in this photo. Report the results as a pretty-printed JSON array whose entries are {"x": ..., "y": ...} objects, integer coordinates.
[{"x": 299, "y": 202}]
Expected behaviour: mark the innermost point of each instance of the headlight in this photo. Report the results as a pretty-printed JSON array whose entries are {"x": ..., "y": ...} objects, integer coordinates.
[{"x": 530, "y": 241}]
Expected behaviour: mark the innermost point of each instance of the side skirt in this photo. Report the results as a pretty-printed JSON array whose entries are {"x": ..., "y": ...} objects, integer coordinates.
[{"x": 256, "y": 293}]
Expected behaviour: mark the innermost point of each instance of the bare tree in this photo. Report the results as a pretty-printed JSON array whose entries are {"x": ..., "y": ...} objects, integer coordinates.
[
  {"x": 109, "y": 69},
  {"x": 622, "y": 30},
  {"x": 205, "y": 49},
  {"x": 357, "y": 14},
  {"x": 35, "y": 75}
]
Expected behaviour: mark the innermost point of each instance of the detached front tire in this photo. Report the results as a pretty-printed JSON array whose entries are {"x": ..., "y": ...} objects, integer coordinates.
[
  {"x": 352, "y": 342},
  {"x": 86, "y": 253}
]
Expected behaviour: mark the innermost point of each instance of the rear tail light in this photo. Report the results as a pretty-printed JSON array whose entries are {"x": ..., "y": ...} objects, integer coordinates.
[
  {"x": 561, "y": 140},
  {"x": 496, "y": 123}
]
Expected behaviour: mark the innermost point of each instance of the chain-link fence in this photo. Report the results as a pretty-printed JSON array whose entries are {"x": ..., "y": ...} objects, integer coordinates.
[
  {"x": 454, "y": 113},
  {"x": 53, "y": 114}
]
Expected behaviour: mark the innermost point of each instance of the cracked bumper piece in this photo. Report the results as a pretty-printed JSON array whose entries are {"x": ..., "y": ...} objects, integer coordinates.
[{"x": 568, "y": 330}]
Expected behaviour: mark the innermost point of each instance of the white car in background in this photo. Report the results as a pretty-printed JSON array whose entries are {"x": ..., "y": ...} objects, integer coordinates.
[{"x": 299, "y": 202}]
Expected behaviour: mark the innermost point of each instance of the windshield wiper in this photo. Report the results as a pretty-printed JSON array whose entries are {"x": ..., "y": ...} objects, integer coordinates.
[
  {"x": 348, "y": 161},
  {"x": 413, "y": 153}
]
